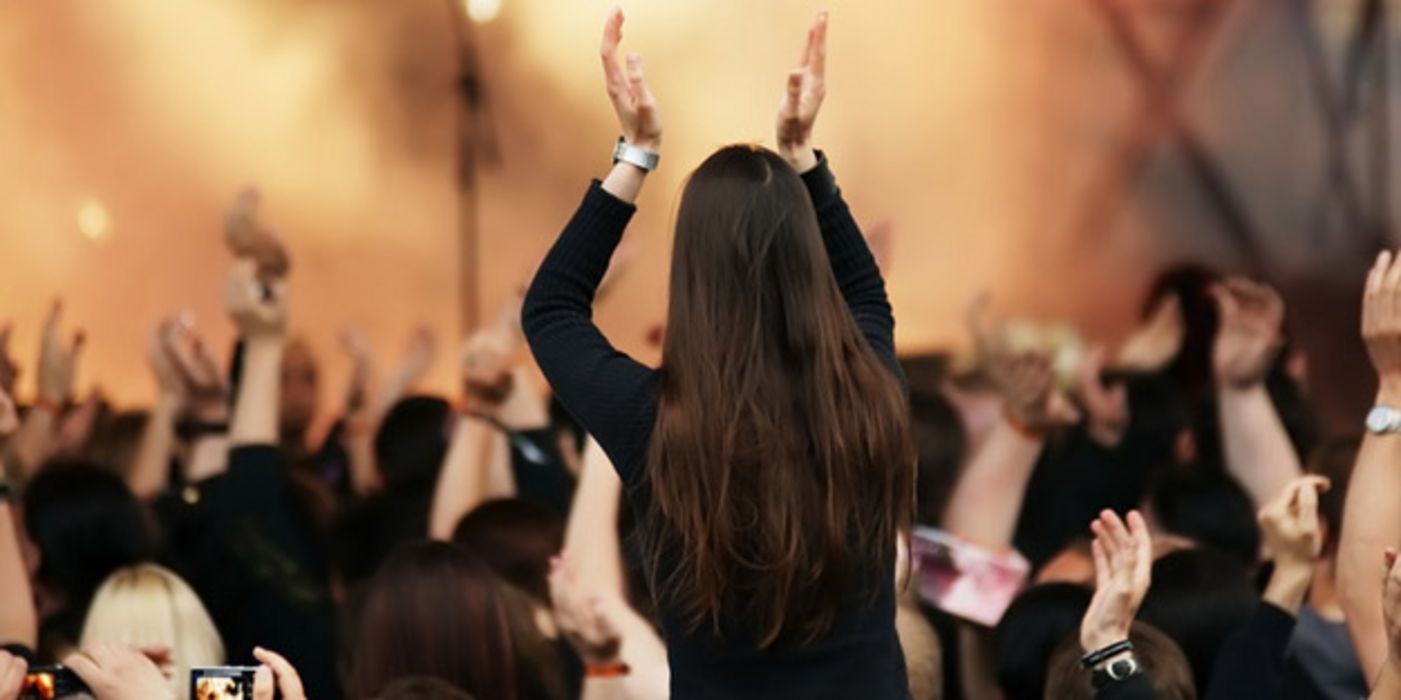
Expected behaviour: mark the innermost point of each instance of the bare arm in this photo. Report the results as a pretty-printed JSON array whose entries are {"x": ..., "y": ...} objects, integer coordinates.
[
  {"x": 1372, "y": 516},
  {"x": 462, "y": 482},
  {"x": 591, "y": 536},
  {"x": 259, "y": 311},
  {"x": 1257, "y": 447},
  {"x": 18, "y": 620},
  {"x": 987, "y": 498},
  {"x": 152, "y": 460}
]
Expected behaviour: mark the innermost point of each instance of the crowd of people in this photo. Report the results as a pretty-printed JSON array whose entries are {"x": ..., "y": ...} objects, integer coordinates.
[{"x": 752, "y": 519}]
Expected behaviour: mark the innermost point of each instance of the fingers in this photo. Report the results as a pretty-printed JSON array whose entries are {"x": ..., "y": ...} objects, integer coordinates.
[
  {"x": 263, "y": 688},
  {"x": 815, "y": 59},
  {"x": 288, "y": 680},
  {"x": 1372, "y": 289},
  {"x": 86, "y": 668},
  {"x": 1389, "y": 559},
  {"x": 637, "y": 85},
  {"x": 12, "y": 671},
  {"x": 608, "y": 51},
  {"x": 792, "y": 94},
  {"x": 1101, "y": 560}
]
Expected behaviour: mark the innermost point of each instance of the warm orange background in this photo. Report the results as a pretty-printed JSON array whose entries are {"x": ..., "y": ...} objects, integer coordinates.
[{"x": 972, "y": 126}]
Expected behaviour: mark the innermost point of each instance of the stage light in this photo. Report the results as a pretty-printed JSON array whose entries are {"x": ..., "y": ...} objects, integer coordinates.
[
  {"x": 94, "y": 222},
  {"x": 482, "y": 11}
]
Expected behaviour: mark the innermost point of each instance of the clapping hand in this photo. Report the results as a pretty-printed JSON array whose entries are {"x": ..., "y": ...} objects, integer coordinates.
[
  {"x": 246, "y": 236},
  {"x": 1251, "y": 332},
  {"x": 58, "y": 362},
  {"x": 257, "y": 305},
  {"x": 1025, "y": 379},
  {"x": 1123, "y": 556}
]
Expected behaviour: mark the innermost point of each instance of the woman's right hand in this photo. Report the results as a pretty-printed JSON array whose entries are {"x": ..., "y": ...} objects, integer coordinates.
[
  {"x": 807, "y": 85},
  {"x": 636, "y": 108}
]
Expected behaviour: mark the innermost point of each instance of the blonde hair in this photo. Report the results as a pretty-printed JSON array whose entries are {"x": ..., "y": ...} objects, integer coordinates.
[{"x": 148, "y": 606}]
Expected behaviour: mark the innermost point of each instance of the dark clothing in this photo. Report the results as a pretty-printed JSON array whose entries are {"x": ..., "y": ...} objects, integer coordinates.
[
  {"x": 615, "y": 399},
  {"x": 261, "y": 570},
  {"x": 1251, "y": 661},
  {"x": 1320, "y": 663}
]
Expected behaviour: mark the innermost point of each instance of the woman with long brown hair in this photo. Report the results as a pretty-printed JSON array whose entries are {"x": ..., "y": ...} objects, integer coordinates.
[{"x": 769, "y": 457}]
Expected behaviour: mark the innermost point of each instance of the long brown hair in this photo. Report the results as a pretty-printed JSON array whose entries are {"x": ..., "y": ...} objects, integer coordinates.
[
  {"x": 781, "y": 466},
  {"x": 434, "y": 609}
]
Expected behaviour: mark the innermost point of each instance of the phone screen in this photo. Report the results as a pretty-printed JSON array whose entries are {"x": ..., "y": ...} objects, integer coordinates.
[
  {"x": 965, "y": 580},
  {"x": 51, "y": 683},
  {"x": 222, "y": 683}
]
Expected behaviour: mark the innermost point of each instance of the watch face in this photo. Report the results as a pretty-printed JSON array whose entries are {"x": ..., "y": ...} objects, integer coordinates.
[
  {"x": 1121, "y": 669},
  {"x": 1381, "y": 419}
]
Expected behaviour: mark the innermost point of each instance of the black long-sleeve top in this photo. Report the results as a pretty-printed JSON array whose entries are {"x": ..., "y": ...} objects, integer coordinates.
[{"x": 614, "y": 398}]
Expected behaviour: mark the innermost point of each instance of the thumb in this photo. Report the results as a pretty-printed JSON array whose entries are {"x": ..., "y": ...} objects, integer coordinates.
[{"x": 263, "y": 684}]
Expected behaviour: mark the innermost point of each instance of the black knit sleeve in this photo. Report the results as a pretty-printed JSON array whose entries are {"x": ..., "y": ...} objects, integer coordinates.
[
  {"x": 1250, "y": 663},
  {"x": 854, "y": 266},
  {"x": 609, "y": 393}
]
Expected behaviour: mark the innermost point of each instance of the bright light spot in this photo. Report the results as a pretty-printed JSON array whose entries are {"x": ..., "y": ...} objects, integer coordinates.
[
  {"x": 93, "y": 221},
  {"x": 482, "y": 11}
]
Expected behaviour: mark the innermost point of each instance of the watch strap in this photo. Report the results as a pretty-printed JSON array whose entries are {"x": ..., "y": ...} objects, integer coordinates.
[
  {"x": 625, "y": 152},
  {"x": 1103, "y": 654}
]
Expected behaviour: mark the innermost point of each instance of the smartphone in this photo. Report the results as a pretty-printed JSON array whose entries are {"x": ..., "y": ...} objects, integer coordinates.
[
  {"x": 222, "y": 682},
  {"x": 50, "y": 682},
  {"x": 965, "y": 580}
]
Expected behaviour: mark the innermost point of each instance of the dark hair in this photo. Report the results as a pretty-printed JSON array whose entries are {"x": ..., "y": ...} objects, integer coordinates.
[
  {"x": 1198, "y": 597},
  {"x": 86, "y": 524},
  {"x": 1209, "y": 508},
  {"x": 435, "y": 610},
  {"x": 516, "y": 539},
  {"x": 1035, "y": 622},
  {"x": 1191, "y": 285},
  {"x": 412, "y": 440},
  {"x": 781, "y": 465},
  {"x": 422, "y": 688},
  {"x": 940, "y": 442},
  {"x": 1161, "y": 659},
  {"x": 1334, "y": 459}
]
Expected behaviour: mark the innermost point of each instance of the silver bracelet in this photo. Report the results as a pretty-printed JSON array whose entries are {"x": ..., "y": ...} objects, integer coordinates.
[{"x": 640, "y": 157}]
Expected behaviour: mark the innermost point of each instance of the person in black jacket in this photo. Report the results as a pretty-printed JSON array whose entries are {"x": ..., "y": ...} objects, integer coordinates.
[{"x": 769, "y": 457}]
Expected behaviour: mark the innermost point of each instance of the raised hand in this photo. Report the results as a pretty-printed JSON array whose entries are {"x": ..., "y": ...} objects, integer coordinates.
[
  {"x": 1381, "y": 323},
  {"x": 1290, "y": 523},
  {"x": 584, "y": 619},
  {"x": 362, "y": 371},
  {"x": 115, "y": 672},
  {"x": 168, "y": 380},
  {"x": 486, "y": 367},
  {"x": 1123, "y": 556},
  {"x": 275, "y": 668},
  {"x": 632, "y": 100},
  {"x": 1251, "y": 331},
  {"x": 1025, "y": 379},
  {"x": 246, "y": 237},
  {"x": 802, "y": 97},
  {"x": 203, "y": 388},
  {"x": 1106, "y": 405},
  {"x": 58, "y": 363},
  {"x": 257, "y": 305}
]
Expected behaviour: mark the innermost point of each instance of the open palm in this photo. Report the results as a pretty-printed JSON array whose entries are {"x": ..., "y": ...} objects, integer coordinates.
[{"x": 807, "y": 86}]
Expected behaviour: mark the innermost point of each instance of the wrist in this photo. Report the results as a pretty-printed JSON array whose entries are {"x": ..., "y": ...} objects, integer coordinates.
[
  {"x": 1102, "y": 639},
  {"x": 1289, "y": 585},
  {"x": 1389, "y": 391},
  {"x": 803, "y": 157}
]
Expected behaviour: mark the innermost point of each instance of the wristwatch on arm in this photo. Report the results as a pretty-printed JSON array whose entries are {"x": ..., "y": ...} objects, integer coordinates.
[
  {"x": 1384, "y": 420},
  {"x": 1112, "y": 664},
  {"x": 625, "y": 152}
]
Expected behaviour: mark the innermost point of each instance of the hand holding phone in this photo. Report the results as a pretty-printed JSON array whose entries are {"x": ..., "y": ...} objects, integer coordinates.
[
  {"x": 50, "y": 683},
  {"x": 222, "y": 682}
]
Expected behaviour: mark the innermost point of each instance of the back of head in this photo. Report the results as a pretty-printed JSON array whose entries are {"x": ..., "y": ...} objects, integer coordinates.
[
  {"x": 1157, "y": 654},
  {"x": 781, "y": 462},
  {"x": 1034, "y": 624},
  {"x": 86, "y": 524},
  {"x": 940, "y": 442},
  {"x": 516, "y": 538},
  {"x": 1209, "y": 508},
  {"x": 422, "y": 688},
  {"x": 1198, "y": 597},
  {"x": 149, "y": 606},
  {"x": 435, "y": 610},
  {"x": 412, "y": 441}
]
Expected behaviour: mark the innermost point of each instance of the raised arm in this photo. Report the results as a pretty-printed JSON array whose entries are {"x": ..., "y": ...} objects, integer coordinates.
[
  {"x": 19, "y": 622},
  {"x": 258, "y": 308},
  {"x": 34, "y": 441},
  {"x": 1257, "y": 447},
  {"x": 152, "y": 460},
  {"x": 1388, "y": 686},
  {"x": 1372, "y": 516},
  {"x": 606, "y": 390},
  {"x": 853, "y": 264}
]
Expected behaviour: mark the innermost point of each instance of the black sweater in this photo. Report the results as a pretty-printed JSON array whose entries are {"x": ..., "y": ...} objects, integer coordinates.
[{"x": 614, "y": 398}]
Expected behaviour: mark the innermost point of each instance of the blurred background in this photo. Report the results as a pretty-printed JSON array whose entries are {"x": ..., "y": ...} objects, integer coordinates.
[{"x": 419, "y": 156}]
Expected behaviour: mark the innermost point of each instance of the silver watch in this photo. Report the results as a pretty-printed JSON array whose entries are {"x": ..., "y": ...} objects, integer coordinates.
[
  {"x": 1384, "y": 419},
  {"x": 641, "y": 157}
]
